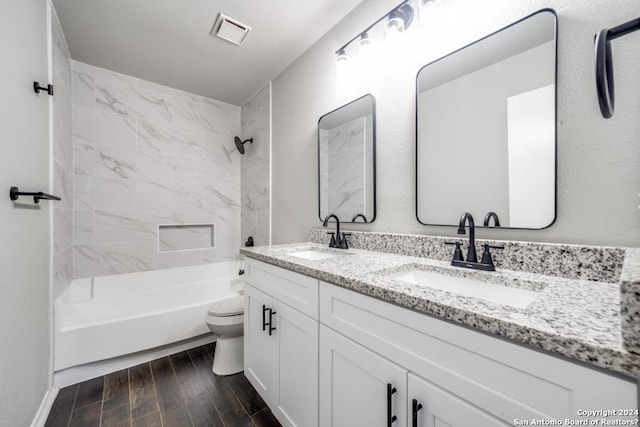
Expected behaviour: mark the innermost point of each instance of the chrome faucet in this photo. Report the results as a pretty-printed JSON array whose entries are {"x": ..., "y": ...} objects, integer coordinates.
[
  {"x": 338, "y": 240},
  {"x": 466, "y": 217}
]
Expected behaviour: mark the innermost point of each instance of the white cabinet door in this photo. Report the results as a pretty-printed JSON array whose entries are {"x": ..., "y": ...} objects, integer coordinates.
[
  {"x": 436, "y": 407},
  {"x": 297, "y": 337},
  {"x": 354, "y": 385},
  {"x": 260, "y": 348},
  {"x": 281, "y": 358}
]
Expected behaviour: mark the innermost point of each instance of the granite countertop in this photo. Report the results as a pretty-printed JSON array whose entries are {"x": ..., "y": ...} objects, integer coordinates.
[{"x": 579, "y": 319}]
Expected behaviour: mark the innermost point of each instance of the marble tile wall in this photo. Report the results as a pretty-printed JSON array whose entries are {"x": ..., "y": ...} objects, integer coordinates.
[
  {"x": 62, "y": 161},
  {"x": 145, "y": 155},
  {"x": 256, "y": 192}
]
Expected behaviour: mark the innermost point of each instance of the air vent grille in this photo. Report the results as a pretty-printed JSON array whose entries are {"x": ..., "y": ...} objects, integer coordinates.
[{"x": 230, "y": 29}]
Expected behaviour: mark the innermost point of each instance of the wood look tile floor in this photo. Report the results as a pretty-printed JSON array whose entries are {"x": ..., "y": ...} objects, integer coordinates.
[{"x": 175, "y": 391}]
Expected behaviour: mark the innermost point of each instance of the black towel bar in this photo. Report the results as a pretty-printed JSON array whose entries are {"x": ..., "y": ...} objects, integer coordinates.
[
  {"x": 604, "y": 64},
  {"x": 14, "y": 193}
]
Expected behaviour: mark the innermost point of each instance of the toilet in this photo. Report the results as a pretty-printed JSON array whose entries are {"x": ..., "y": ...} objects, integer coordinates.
[{"x": 225, "y": 318}]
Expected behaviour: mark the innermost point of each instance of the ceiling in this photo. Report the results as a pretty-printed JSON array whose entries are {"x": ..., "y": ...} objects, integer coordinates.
[{"x": 169, "y": 41}]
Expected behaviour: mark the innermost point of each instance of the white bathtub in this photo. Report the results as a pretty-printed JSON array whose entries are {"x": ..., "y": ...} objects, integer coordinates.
[{"x": 110, "y": 316}]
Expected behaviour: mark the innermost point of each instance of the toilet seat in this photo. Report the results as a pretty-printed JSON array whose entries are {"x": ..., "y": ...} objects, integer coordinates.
[{"x": 226, "y": 307}]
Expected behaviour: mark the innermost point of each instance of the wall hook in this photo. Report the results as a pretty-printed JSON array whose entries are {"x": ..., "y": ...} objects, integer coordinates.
[
  {"x": 37, "y": 88},
  {"x": 15, "y": 193},
  {"x": 604, "y": 64}
]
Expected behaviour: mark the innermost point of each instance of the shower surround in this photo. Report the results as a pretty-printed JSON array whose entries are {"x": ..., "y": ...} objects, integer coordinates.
[
  {"x": 147, "y": 155},
  {"x": 256, "y": 169},
  {"x": 62, "y": 247}
]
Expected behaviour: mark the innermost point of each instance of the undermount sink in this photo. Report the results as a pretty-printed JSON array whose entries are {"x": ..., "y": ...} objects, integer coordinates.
[
  {"x": 468, "y": 287},
  {"x": 313, "y": 255}
]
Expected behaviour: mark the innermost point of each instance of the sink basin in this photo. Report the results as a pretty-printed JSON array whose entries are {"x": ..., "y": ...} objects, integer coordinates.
[
  {"x": 313, "y": 255},
  {"x": 468, "y": 287}
]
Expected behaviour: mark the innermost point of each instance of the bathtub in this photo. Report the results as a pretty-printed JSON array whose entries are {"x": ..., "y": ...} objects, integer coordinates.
[{"x": 105, "y": 317}]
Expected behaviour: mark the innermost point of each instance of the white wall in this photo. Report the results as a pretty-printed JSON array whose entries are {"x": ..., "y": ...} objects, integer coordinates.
[
  {"x": 24, "y": 228},
  {"x": 147, "y": 155},
  {"x": 598, "y": 160}
]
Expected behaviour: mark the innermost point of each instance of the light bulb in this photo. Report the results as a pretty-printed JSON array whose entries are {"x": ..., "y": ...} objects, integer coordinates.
[
  {"x": 341, "y": 56},
  {"x": 365, "y": 46},
  {"x": 395, "y": 23},
  {"x": 426, "y": 4},
  {"x": 342, "y": 65},
  {"x": 399, "y": 19},
  {"x": 365, "y": 42}
]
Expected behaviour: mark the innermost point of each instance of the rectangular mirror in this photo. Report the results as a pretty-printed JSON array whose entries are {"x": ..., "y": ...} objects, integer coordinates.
[
  {"x": 486, "y": 129},
  {"x": 346, "y": 161}
]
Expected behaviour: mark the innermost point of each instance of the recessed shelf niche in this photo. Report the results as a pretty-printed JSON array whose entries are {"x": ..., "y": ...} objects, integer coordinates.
[{"x": 179, "y": 237}]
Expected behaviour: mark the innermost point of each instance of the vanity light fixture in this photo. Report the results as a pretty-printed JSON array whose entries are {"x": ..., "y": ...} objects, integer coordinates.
[{"x": 394, "y": 22}]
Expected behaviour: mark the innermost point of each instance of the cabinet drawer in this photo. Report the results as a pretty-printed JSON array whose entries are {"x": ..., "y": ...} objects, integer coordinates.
[
  {"x": 481, "y": 369},
  {"x": 293, "y": 289}
]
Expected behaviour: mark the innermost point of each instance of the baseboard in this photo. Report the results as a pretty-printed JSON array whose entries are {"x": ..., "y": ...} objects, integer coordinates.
[
  {"x": 45, "y": 407},
  {"x": 87, "y": 371}
]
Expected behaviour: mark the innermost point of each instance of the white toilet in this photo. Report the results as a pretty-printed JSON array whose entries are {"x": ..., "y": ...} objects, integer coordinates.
[{"x": 225, "y": 318}]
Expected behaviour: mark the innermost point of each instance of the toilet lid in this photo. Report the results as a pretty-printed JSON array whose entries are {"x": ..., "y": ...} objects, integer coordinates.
[{"x": 231, "y": 306}]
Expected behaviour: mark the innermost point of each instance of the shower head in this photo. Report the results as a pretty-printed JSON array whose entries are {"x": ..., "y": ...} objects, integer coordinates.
[{"x": 240, "y": 144}]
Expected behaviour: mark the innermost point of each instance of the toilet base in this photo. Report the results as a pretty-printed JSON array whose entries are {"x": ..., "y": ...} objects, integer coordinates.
[{"x": 228, "y": 358}]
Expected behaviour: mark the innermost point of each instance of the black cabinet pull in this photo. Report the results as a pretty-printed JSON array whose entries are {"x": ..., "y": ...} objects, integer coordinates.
[
  {"x": 271, "y": 328},
  {"x": 415, "y": 407},
  {"x": 264, "y": 317},
  {"x": 390, "y": 418}
]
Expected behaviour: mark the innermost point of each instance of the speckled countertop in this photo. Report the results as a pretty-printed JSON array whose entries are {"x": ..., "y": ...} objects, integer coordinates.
[{"x": 579, "y": 319}]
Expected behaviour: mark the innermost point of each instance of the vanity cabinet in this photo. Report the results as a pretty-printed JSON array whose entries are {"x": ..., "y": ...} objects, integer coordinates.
[
  {"x": 460, "y": 377},
  {"x": 281, "y": 341},
  {"x": 323, "y": 354}
]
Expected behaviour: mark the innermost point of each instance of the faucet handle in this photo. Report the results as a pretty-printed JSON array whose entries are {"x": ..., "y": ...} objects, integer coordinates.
[
  {"x": 486, "y": 255},
  {"x": 333, "y": 239},
  {"x": 344, "y": 242},
  {"x": 457, "y": 253}
]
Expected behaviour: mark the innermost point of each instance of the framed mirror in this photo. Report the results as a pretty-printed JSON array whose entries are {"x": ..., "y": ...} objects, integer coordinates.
[
  {"x": 486, "y": 129},
  {"x": 347, "y": 161}
]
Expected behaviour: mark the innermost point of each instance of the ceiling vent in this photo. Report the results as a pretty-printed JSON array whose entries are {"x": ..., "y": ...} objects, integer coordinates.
[{"x": 230, "y": 30}]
